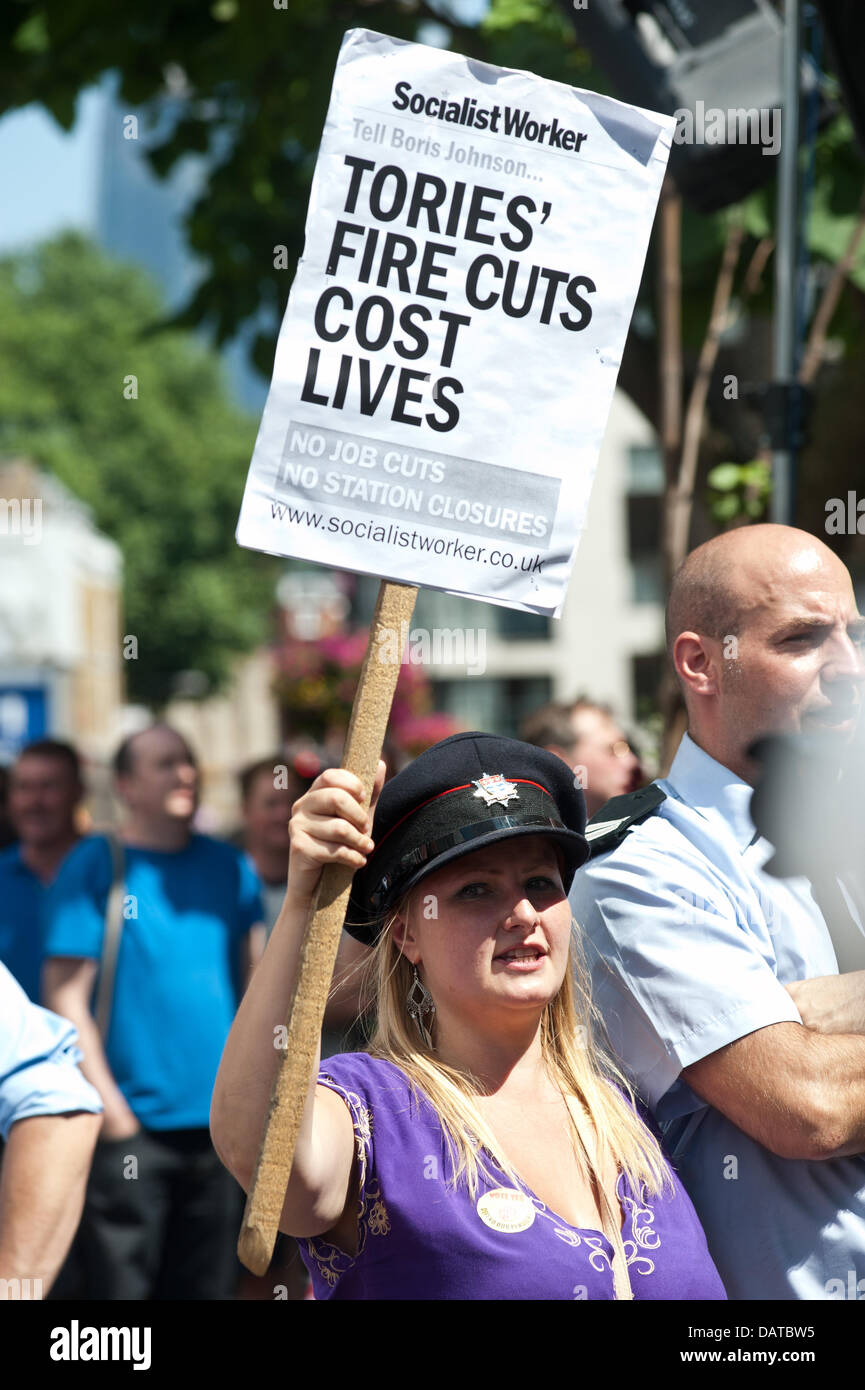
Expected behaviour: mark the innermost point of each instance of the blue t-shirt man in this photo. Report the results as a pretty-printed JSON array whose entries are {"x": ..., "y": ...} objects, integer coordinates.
[
  {"x": 177, "y": 983},
  {"x": 20, "y": 921}
]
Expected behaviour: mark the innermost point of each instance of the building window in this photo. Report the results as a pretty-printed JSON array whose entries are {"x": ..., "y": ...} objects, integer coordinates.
[
  {"x": 644, "y": 502},
  {"x": 494, "y": 705},
  {"x": 513, "y": 622},
  {"x": 646, "y": 675},
  {"x": 645, "y": 470}
]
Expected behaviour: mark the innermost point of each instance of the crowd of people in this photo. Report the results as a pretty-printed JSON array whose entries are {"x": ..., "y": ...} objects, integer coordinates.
[
  {"x": 141, "y": 941},
  {"x": 620, "y": 1063}
]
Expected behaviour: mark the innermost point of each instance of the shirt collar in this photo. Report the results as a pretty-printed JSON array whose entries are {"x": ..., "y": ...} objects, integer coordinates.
[
  {"x": 17, "y": 861},
  {"x": 20, "y": 866},
  {"x": 713, "y": 790}
]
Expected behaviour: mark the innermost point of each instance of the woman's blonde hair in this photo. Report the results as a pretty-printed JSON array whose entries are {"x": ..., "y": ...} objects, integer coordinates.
[{"x": 604, "y": 1123}]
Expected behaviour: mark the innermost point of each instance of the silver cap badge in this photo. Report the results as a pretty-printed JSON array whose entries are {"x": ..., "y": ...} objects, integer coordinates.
[{"x": 494, "y": 789}]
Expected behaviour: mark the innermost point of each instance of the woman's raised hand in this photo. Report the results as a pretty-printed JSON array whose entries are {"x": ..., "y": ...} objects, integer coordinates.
[{"x": 330, "y": 825}]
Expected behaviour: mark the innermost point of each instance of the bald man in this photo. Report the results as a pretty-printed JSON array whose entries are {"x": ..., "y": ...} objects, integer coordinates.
[{"x": 718, "y": 983}]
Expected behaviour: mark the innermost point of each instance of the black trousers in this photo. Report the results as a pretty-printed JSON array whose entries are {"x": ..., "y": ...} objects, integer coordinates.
[{"x": 160, "y": 1221}]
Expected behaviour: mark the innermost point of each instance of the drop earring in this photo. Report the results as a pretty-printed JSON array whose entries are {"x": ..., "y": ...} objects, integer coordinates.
[{"x": 419, "y": 1002}]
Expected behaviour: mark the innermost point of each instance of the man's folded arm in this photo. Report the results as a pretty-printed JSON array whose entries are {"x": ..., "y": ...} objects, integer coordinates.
[
  {"x": 831, "y": 1003},
  {"x": 685, "y": 983},
  {"x": 799, "y": 1093}
]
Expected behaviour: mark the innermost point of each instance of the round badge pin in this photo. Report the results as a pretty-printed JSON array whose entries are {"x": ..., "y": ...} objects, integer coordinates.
[{"x": 505, "y": 1209}]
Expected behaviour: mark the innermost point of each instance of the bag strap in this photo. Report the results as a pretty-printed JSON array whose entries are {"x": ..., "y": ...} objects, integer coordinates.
[
  {"x": 110, "y": 938},
  {"x": 608, "y": 827},
  {"x": 621, "y": 1276},
  {"x": 611, "y": 1216}
]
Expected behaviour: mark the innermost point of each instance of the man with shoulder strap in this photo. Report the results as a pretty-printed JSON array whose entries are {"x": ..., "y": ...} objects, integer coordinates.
[
  {"x": 156, "y": 935},
  {"x": 719, "y": 984}
]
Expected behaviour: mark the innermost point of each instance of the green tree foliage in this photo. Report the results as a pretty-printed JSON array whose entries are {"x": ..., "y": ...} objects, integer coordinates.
[
  {"x": 250, "y": 82},
  {"x": 739, "y": 490},
  {"x": 163, "y": 473},
  {"x": 250, "y": 85}
]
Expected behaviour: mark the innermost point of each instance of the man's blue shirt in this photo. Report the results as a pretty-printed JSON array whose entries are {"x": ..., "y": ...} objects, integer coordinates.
[
  {"x": 690, "y": 945},
  {"x": 177, "y": 983},
  {"x": 39, "y": 1073},
  {"x": 20, "y": 920}
]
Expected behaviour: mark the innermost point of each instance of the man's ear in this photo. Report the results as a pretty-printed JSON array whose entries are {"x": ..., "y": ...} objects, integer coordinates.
[
  {"x": 695, "y": 663},
  {"x": 404, "y": 937}
]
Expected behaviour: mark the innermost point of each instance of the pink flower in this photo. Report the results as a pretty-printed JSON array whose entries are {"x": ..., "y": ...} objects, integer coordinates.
[{"x": 415, "y": 735}]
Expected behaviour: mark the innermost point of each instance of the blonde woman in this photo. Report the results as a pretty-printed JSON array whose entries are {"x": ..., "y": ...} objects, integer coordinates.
[{"x": 481, "y": 1148}]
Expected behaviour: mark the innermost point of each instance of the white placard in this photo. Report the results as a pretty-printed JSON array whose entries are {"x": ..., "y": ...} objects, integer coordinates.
[{"x": 446, "y": 364}]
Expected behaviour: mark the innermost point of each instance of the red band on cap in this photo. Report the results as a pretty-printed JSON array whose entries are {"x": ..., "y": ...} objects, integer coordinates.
[{"x": 524, "y": 781}]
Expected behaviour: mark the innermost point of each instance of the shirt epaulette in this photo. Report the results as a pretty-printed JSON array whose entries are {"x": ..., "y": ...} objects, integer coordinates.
[{"x": 609, "y": 826}]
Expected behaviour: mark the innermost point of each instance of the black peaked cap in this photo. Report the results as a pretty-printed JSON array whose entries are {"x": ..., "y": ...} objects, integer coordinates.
[{"x": 464, "y": 793}]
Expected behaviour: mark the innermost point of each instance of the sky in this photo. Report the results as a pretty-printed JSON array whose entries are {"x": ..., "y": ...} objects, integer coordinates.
[{"x": 49, "y": 177}]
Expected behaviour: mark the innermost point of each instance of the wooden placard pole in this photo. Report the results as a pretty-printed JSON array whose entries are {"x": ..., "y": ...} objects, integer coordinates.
[{"x": 366, "y": 731}]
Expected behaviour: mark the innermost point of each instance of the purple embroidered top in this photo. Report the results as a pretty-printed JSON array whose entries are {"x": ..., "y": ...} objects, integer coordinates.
[{"x": 419, "y": 1238}]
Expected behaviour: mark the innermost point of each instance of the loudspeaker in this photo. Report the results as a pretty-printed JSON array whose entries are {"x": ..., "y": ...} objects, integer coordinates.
[{"x": 714, "y": 64}]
